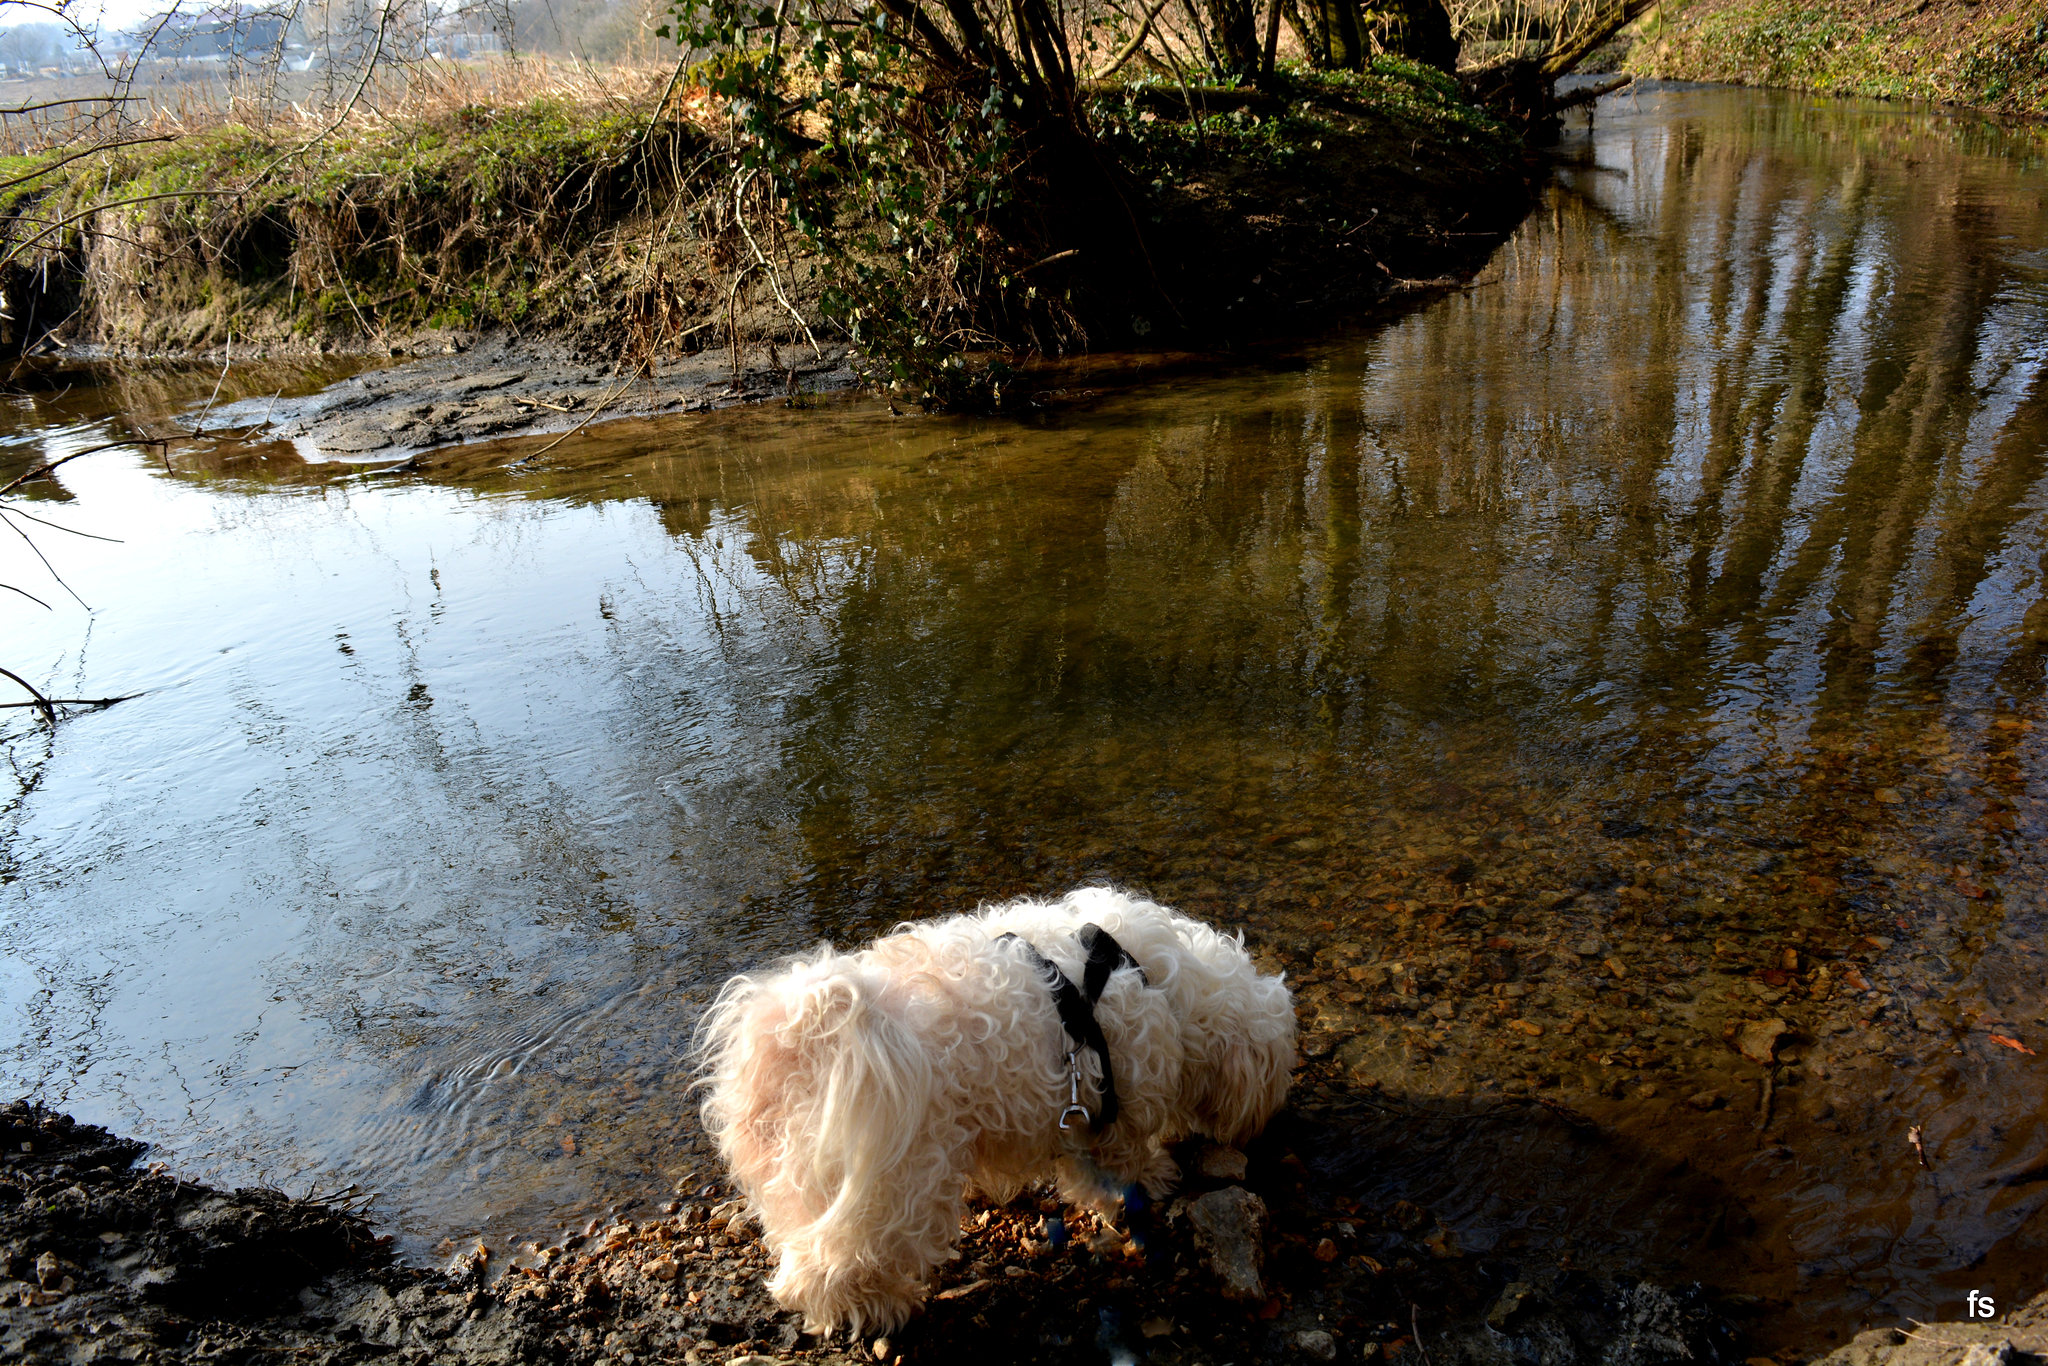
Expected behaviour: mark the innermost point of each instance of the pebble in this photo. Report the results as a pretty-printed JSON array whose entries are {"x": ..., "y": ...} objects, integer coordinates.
[
  {"x": 1317, "y": 1343},
  {"x": 1219, "y": 1163},
  {"x": 1758, "y": 1040},
  {"x": 1230, "y": 1229}
]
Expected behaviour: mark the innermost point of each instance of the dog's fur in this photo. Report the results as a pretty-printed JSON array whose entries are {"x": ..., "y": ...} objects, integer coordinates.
[{"x": 856, "y": 1097}]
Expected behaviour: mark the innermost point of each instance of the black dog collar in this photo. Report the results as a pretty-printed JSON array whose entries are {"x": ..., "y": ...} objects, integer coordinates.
[{"x": 1077, "y": 1004}]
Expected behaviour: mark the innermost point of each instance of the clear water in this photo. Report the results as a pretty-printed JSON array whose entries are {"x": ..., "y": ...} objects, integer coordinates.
[{"x": 1677, "y": 587}]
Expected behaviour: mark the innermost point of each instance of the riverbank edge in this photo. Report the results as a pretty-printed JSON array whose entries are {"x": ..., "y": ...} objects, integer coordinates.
[
  {"x": 103, "y": 1257},
  {"x": 571, "y": 232},
  {"x": 1990, "y": 57}
]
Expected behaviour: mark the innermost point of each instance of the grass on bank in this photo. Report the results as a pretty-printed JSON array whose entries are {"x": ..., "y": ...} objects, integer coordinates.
[
  {"x": 1990, "y": 55},
  {"x": 575, "y": 216}
]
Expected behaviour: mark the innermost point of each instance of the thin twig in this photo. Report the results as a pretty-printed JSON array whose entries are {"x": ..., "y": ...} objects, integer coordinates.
[
  {"x": 41, "y": 171},
  {"x": 1130, "y": 49},
  {"x": 30, "y": 596},
  {"x": 227, "y": 360},
  {"x": 56, "y": 526},
  {"x": 36, "y": 551},
  {"x": 601, "y": 405},
  {"x": 740, "y": 216},
  {"x": 41, "y": 702}
]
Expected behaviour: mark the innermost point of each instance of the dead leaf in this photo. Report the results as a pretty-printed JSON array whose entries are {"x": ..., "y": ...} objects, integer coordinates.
[{"x": 2013, "y": 1044}]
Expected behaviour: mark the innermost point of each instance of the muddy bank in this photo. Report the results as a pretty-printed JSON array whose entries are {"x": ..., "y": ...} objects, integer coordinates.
[
  {"x": 109, "y": 1258},
  {"x": 483, "y": 388}
]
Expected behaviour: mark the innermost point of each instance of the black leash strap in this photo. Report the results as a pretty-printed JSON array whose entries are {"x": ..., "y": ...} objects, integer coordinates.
[{"x": 1076, "y": 1005}]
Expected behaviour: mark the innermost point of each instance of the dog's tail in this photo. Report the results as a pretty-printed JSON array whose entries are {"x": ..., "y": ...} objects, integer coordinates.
[{"x": 819, "y": 1098}]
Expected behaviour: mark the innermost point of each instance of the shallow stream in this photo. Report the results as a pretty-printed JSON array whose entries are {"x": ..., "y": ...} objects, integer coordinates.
[{"x": 1641, "y": 644}]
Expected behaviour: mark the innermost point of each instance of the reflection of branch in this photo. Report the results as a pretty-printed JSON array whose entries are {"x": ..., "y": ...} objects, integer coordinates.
[{"x": 40, "y": 470}]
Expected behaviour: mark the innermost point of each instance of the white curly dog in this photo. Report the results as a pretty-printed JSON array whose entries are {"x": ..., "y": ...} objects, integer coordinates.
[{"x": 857, "y": 1097}]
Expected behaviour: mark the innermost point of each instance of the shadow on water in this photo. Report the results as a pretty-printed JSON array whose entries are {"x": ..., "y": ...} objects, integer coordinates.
[{"x": 1563, "y": 683}]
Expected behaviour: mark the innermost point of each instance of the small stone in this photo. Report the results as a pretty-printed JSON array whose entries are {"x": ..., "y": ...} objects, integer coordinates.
[
  {"x": 1316, "y": 1343},
  {"x": 1589, "y": 948},
  {"x": 1758, "y": 1040},
  {"x": 1219, "y": 1163},
  {"x": 1529, "y": 1027},
  {"x": 1352, "y": 1054},
  {"x": 1326, "y": 1250},
  {"x": 1443, "y": 1010},
  {"x": 1230, "y": 1229},
  {"x": 1508, "y": 1305},
  {"x": 1617, "y": 967},
  {"x": 880, "y": 1348},
  {"x": 1989, "y": 1354},
  {"x": 661, "y": 1269},
  {"x": 1156, "y": 1327},
  {"x": 1706, "y": 1100},
  {"x": 48, "y": 1270},
  {"x": 1890, "y": 796}
]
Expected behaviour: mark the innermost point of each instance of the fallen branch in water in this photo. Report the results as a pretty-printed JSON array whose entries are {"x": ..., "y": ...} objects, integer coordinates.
[
  {"x": 65, "y": 701},
  {"x": 48, "y": 708}
]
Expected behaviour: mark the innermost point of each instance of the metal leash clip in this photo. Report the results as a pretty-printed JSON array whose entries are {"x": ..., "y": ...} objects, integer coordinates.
[{"x": 1074, "y": 1106}]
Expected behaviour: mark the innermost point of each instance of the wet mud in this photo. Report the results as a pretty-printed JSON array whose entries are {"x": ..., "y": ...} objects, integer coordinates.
[{"x": 466, "y": 388}]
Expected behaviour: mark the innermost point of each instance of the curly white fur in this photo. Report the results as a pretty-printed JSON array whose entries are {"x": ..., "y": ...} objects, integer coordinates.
[{"x": 857, "y": 1097}]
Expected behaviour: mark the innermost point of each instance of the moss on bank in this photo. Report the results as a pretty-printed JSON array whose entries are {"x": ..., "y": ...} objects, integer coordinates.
[
  {"x": 584, "y": 223},
  {"x": 1991, "y": 55}
]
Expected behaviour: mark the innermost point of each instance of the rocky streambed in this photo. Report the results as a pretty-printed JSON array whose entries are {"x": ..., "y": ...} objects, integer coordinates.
[{"x": 108, "y": 1258}]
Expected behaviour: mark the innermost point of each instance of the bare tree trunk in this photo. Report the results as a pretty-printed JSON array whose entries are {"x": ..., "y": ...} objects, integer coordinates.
[{"x": 1609, "y": 21}]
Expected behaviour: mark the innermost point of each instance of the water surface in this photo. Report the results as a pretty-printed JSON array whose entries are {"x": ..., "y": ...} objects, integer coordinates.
[{"x": 1642, "y": 642}]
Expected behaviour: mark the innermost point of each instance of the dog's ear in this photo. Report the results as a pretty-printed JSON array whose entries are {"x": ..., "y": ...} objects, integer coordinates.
[
  {"x": 818, "y": 1088},
  {"x": 1248, "y": 1064}
]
